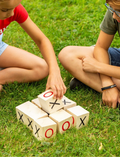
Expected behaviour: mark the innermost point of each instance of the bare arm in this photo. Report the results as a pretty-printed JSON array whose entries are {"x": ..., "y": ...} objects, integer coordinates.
[
  {"x": 54, "y": 80},
  {"x": 109, "y": 96},
  {"x": 101, "y": 54},
  {"x": 101, "y": 65},
  {"x": 42, "y": 42}
]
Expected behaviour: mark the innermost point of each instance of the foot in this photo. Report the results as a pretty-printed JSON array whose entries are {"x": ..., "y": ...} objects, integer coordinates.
[{"x": 74, "y": 83}]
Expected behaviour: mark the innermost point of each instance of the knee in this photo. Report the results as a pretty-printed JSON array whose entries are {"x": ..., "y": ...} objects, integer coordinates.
[
  {"x": 41, "y": 71},
  {"x": 65, "y": 53}
]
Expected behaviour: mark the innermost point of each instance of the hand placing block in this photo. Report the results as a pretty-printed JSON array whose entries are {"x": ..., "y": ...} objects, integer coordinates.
[
  {"x": 67, "y": 102},
  {"x": 44, "y": 128},
  {"x": 36, "y": 102},
  {"x": 80, "y": 116},
  {"x": 49, "y": 104},
  {"x": 63, "y": 120},
  {"x": 28, "y": 112}
]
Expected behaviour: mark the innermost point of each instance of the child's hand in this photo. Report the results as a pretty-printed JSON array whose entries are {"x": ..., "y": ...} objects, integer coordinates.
[
  {"x": 90, "y": 64},
  {"x": 110, "y": 97},
  {"x": 56, "y": 83}
]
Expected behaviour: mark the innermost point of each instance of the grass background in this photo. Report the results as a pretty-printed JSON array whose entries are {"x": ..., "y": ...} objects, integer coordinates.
[{"x": 64, "y": 22}]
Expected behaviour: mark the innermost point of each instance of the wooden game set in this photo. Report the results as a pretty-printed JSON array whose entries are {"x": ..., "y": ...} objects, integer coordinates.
[{"x": 46, "y": 116}]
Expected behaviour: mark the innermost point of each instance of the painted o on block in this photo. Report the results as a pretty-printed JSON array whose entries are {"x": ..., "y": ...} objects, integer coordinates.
[
  {"x": 51, "y": 133},
  {"x": 67, "y": 122},
  {"x": 63, "y": 119},
  {"x": 73, "y": 120},
  {"x": 48, "y": 94}
]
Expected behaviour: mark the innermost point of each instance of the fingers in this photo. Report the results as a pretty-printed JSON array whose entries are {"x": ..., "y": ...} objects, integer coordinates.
[
  {"x": 58, "y": 90},
  {"x": 114, "y": 105},
  {"x": 110, "y": 103},
  {"x": 110, "y": 97}
]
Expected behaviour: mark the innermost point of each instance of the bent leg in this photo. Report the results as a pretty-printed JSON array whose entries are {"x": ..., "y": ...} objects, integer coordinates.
[
  {"x": 21, "y": 66},
  {"x": 70, "y": 57}
]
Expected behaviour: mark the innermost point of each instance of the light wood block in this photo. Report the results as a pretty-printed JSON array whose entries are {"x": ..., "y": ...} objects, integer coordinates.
[
  {"x": 49, "y": 104},
  {"x": 28, "y": 112},
  {"x": 80, "y": 116},
  {"x": 67, "y": 102},
  {"x": 44, "y": 128},
  {"x": 63, "y": 120},
  {"x": 36, "y": 102}
]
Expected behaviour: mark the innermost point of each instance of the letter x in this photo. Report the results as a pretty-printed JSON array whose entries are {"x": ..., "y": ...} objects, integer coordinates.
[
  {"x": 30, "y": 122},
  {"x": 21, "y": 115},
  {"x": 54, "y": 103},
  {"x": 82, "y": 121},
  {"x": 37, "y": 131},
  {"x": 65, "y": 102}
]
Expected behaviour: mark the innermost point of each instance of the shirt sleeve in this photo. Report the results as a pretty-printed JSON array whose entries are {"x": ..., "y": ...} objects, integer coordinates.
[
  {"x": 109, "y": 25},
  {"x": 20, "y": 14}
]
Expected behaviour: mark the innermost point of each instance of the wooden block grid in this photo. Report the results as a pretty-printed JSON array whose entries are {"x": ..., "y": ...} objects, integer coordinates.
[{"x": 45, "y": 126}]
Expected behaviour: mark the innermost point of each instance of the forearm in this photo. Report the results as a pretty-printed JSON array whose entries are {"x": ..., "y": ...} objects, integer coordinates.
[
  {"x": 103, "y": 68},
  {"x": 42, "y": 42},
  {"x": 109, "y": 70},
  {"x": 54, "y": 80},
  {"x": 101, "y": 55},
  {"x": 48, "y": 54}
]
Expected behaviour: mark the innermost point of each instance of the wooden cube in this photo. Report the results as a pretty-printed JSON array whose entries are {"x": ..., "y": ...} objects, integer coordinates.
[
  {"x": 80, "y": 116},
  {"x": 63, "y": 120},
  {"x": 67, "y": 102},
  {"x": 28, "y": 112},
  {"x": 44, "y": 128},
  {"x": 36, "y": 102},
  {"x": 49, "y": 104}
]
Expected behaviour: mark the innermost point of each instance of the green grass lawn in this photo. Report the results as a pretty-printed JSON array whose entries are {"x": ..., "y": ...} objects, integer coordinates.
[{"x": 64, "y": 22}]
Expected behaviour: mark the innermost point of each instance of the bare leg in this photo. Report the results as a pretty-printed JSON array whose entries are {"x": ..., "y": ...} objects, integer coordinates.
[
  {"x": 21, "y": 66},
  {"x": 70, "y": 58}
]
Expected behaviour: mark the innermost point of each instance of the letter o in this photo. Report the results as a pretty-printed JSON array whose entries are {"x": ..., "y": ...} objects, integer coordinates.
[
  {"x": 46, "y": 96},
  {"x": 47, "y": 131},
  {"x": 73, "y": 120},
  {"x": 64, "y": 124}
]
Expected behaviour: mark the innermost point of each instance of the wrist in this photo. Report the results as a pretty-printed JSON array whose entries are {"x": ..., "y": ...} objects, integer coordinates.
[
  {"x": 55, "y": 71},
  {"x": 108, "y": 87},
  {"x": 106, "y": 80}
]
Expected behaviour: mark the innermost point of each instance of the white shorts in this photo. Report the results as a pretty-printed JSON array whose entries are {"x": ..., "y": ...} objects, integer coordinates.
[{"x": 3, "y": 45}]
